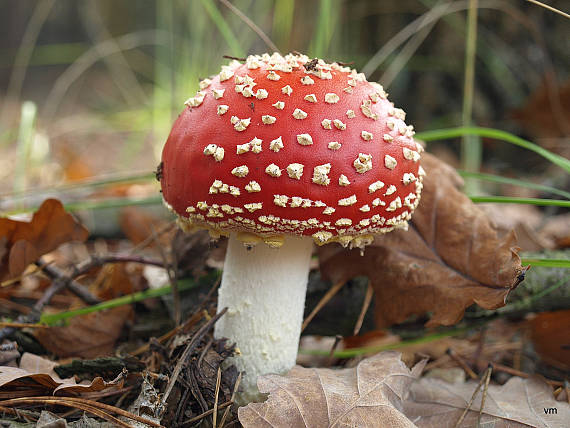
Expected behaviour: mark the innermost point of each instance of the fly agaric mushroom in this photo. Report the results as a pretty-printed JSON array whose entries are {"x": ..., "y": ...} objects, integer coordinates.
[{"x": 283, "y": 152}]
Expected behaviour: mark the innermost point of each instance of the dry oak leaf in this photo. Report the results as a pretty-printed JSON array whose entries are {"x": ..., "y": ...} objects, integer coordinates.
[
  {"x": 451, "y": 257},
  {"x": 36, "y": 374},
  {"x": 87, "y": 336},
  {"x": 368, "y": 395},
  {"x": 22, "y": 243},
  {"x": 517, "y": 403}
]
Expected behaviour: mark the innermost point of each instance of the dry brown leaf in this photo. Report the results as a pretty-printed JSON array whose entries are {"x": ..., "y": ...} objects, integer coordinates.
[
  {"x": 368, "y": 395},
  {"x": 36, "y": 373},
  {"x": 518, "y": 403},
  {"x": 88, "y": 336},
  {"x": 450, "y": 257},
  {"x": 24, "y": 242}
]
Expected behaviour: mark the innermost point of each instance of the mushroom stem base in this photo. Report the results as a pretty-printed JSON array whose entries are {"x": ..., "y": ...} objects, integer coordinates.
[{"x": 264, "y": 290}]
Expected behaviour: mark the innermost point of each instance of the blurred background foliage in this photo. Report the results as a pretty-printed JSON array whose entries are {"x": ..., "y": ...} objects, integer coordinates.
[{"x": 90, "y": 88}]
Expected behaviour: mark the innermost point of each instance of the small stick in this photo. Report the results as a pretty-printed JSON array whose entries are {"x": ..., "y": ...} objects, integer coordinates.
[
  {"x": 215, "y": 414},
  {"x": 207, "y": 412},
  {"x": 330, "y": 358},
  {"x": 96, "y": 261},
  {"x": 455, "y": 357},
  {"x": 53, "y": 272},
  {"x": 232, "y": 399},
  {"x": 251, "y": 25},
  {"x": 21, "y": 325},
  {"x": 487, "y": 379},
  {"x": 234, "y": 57},
  {"x": 329, "y": 295},
  {"x": 480, "y": 384},
  {"x": 365, "y": 306}
]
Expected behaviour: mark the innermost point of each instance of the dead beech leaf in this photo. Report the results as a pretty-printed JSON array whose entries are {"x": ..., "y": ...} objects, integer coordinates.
[
  {"x": 36, "y": 373},
  {"x": 368, "y": 395},
  {"x": 450, "y": 257},
  {"x": 517, "y": 403},
  {"x": 88, "y": 336},
  {"x": 24, "y": 242}
]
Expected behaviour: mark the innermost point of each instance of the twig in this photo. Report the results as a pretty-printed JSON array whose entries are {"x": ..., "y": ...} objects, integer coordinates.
[
  {"x": 232, "y": 399},
  {"x": 172, "y": 272},
  {"x": 453, "y": 355},
  {"x": 550, "y": 8},
  {"x": 215, "y": 413},
  {"x": 325, "y": 299},
  {"x": 234, "y": 57},
  {"x": 186, "y": 354},
  {"x": 206, "y": 413},
  {"x": 97, "y": 261},
  {"x": 365, "y": 306},
  {"x": 21, "y": 325},
  {"x": 487, "y": 379},
  {"x": 330, "y": 358},
  {"x": 251, "y": 25},
  {"x": 54, "y": 273},
  {"x": 479, "y": 385}
]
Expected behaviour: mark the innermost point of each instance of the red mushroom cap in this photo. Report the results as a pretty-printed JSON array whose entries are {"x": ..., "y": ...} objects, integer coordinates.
[{"x": 287, "y": 145}]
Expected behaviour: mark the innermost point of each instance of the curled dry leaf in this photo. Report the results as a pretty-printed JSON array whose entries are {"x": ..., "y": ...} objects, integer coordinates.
[
  {"x": 22, "y": 243},
  {"x": 37, "y": 375},
  {"x": 517, "y": 403},
  {"x": 450, "y": 257},
  {"x": 369, "y": 395}
]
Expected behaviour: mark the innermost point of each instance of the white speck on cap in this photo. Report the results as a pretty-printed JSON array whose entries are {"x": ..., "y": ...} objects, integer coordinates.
[
  {"x": 329, "y": 210},
  {"x": 388, "y": 138},
  {"x": 377, "y": 185},
  {"x": 205, "y": 83},
  {"x": 304, "y": 139},
  {"x": 273, "y": 170},
  {"x": 334, "y": 145},
  {"x": 299, "y": 114},
  {"x": 326, "y": 123},
  {"x": 366, "y": 136},
  {"x": 222, "y": 109},
  {"x": 320, "y": 174},
  {"x": 276, "y": 145},
  {"x": 331, "y": 98},
  {"x": 243, "y": 148},
  {"x": 268, "y": 120},
  {"x": 322, "y": 236},
  {"x": 395, "y": 204},
  {"x": 240, "y": 171},
  {"x": 311, "y": 98},
  {"x": 343, "y": 180},
  {"x": 363, "y": 163},
  {"x": 253, "y": 207},
  {"x": 255, "y": 145},
  {"x": 295, "y": 170},
  {"x": 411, "y": 154},
  {"x": 218, "y": 93},
  {"x": 287, "y": 90},
  {"x": 306, "y": 80},
  {"x": 364, "y": 208},
  {"x": 343, "y": 222},
  {"x": 210, "y": 149},
  {"x": 273, "y": 76},
  {"x": 408, "y": 178},
  {"x": 280, "y": 200},
  {"x": 242, "y": 124},
  {"x": 350, "y": 114},
  {"x": 219, "y": 154},
  {"x": 345, "y": 202},
  {"x": 390, "y": 162},
  {"x": 252, "y": 187},
  {"x": 261, "y": 94},
  {"x": 390, "y": 190},
  {"x": 279, "y": 105},
  {"x": 339, "y": 124}
]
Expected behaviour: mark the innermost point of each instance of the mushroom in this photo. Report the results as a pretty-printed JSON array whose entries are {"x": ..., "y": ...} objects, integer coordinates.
[{"x": 278, "y": 153}]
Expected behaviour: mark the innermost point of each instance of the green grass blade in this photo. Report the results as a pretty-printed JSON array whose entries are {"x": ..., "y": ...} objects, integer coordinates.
[
  {"x": 326, "y": 22},
  {"x": 513, "y": 182},
  {"x": 354, "y": 352},
  {"x": 554, "y": 263},
  {"x": 225, "y": 30},
  {"x": 24, "y": 145},
  {"x": 525, "y": 201},
  {"x": 183, "y": 285},
  {"x": 445, "y": 134}
]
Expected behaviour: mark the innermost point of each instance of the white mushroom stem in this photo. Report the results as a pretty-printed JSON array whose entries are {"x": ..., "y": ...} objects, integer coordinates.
[{"x": 264, "y": 290}]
